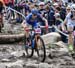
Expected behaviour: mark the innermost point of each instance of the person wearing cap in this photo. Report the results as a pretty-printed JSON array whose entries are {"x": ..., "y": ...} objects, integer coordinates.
[
  {"x": 41, "y": 7},
  {"x": 55, "y": 5},
  {"x": 61, "y": 11},
  {"x": 58, "y": 21},
  {"x": 41, "y": 12}
]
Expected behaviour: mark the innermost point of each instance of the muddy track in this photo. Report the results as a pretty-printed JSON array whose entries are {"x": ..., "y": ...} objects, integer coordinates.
[{"x": 14, "y": 53}]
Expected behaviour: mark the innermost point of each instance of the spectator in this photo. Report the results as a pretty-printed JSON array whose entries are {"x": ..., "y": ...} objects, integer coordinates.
[
  {"x": 68, "y": 9},
  {"x": 6, "y": 2},
  {"x": 49, "y": 14},
  {"x": 58, "y": 21},
  {"x": 11, "y": 3},
  {"x": 41, "y": 8}
]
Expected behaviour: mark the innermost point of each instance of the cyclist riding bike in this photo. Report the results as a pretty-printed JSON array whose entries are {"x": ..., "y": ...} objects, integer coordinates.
[
  {"x": 70, "y": 23},
  {"x": 32, "y": 19}
]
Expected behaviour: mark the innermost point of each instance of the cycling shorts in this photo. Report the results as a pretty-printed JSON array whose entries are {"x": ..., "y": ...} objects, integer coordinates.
[{"x": 71, "y": 25}]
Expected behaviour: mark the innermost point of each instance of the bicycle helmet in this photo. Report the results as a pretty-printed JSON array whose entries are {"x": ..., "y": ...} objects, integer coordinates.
[
  {"x": 34, "y": 11},
  {"x": 73, "y": 7}
]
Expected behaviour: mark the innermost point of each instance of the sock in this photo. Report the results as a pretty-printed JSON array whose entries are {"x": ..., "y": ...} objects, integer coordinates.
[{"x": 71, "y": 47}]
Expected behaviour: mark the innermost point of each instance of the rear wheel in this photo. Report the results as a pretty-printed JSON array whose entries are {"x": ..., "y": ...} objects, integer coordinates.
[{"x": 40, "y": 48}]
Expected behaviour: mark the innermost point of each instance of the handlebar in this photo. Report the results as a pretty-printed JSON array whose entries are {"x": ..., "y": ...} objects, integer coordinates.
[
  {"x": 45, "y": 27},
  {"x": 29, "y": 29}
]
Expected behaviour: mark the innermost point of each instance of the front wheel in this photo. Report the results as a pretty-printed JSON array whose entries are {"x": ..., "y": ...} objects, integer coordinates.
[
  {"x": 28, "y": 47},
  {"x": 40, "y": 48}
]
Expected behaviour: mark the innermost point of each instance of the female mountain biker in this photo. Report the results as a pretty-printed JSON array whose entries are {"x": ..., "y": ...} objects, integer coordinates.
[{"x": 70, "y": 22}]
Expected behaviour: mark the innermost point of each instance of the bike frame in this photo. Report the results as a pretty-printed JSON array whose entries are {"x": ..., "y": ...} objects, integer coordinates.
[{"x": 36, "y": 35}]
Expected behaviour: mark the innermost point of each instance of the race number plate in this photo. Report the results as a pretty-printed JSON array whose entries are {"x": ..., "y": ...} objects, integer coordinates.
[{"x": 38, "y": 30}]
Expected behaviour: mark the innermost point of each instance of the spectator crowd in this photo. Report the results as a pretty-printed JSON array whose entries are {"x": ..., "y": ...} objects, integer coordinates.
[{"x": 54, "y": 11}]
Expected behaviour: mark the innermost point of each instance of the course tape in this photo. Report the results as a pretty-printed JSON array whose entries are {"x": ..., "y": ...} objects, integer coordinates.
[
  {"x": 15, "y": 11},
  {"x": 60, "y": 31}
]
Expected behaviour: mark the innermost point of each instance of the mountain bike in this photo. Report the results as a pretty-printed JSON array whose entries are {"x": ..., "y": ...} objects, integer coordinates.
[{"x": 35, "y": 43}]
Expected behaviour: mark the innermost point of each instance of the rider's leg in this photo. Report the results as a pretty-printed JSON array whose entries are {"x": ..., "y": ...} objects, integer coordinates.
[
  {"x": 70, "y": 38},
  {"x": 74, "y": 38}
]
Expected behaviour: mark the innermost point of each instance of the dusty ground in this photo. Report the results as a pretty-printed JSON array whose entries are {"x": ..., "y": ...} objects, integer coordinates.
[{"x": 13, "y": 54}]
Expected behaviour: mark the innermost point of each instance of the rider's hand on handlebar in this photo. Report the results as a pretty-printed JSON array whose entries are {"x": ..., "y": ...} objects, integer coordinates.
[
  {"x": 26, "y": 29},
  {"x": 46, "y": 27}
]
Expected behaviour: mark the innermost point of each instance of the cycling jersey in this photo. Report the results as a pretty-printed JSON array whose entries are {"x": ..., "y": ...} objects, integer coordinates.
[{"x": 31, "y": 21}]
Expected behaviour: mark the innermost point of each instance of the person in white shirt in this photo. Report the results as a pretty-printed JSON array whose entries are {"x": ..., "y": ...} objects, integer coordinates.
[{"x": 70, "y": 22}]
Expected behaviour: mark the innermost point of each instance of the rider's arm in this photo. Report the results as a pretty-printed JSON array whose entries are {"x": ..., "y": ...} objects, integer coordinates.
[
  {"x": 63, "y": 25},
  {"x": 46, "y": 22},
  {"x": 24, "y": 25}
]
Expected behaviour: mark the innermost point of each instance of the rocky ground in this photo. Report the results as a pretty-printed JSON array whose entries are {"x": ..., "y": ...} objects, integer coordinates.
[{"x": 14, "y": 56}]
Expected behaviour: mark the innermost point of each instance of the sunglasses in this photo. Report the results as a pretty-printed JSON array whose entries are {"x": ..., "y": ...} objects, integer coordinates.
[
  {"x": 41, "y": 5},
  {"x": 68, "y": 9},
  {"x": 34, "y": 15}
]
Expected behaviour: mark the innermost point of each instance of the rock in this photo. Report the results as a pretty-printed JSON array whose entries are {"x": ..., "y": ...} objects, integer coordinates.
[
  {"x": 5, "y": 56},
  {"x": 51, "y": 38},
  {"x": 48, "y": 60},
  {"x": 31, "y": 61},
  {"x": 12, "y": 28},
  {"x": 17, "y": 64},
  {"x": 45, "y": 65},
  {"x": 47, "y": 52},
  {"x": 11, "y": 32},
  {"x": 35, "y": 55},
  {"x": 58, "y": 53},
  {"x": 2, "y": 66},
  {"x": 63, "y": 50},
  {"x": 31, "y": 65},
  {"x": 17, "y": 53},
  {"x": 61, "y": 44},
  {"x": 67, "y": 58},
  {"x": 5, "y": 60},
  {"x": 7, "y": 27},
  {"x": 61, "y": 61}
]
